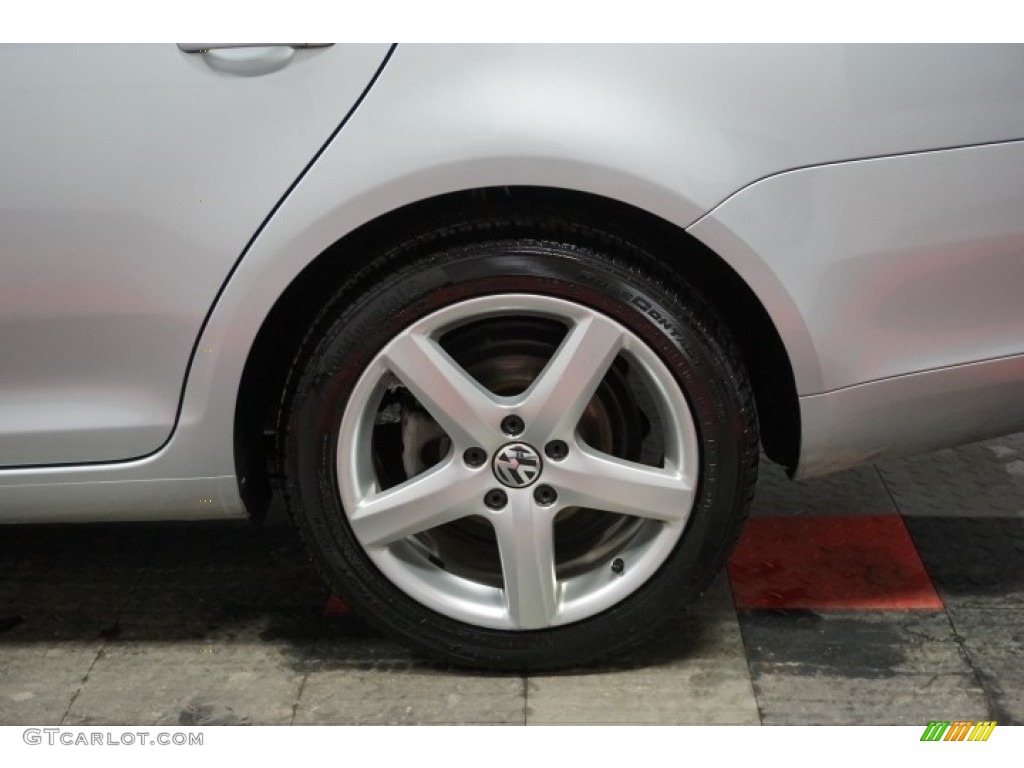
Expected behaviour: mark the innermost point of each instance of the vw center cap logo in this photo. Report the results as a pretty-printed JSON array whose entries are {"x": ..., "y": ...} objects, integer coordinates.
[{"x": 516, "y": 465}]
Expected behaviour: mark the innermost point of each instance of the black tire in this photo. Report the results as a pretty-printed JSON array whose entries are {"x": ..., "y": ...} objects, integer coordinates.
[{"x": 526, "y": 254}]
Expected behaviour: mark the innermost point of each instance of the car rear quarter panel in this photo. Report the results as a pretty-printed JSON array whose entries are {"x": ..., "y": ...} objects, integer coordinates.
[{"x": 908, "y": 274}]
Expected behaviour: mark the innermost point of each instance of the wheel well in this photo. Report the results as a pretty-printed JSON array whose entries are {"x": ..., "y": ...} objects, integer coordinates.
[{"x": 270, "y": 359}]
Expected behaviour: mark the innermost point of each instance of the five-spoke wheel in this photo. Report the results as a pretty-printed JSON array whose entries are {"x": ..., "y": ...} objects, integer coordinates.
[
  {"x": 514, "y": 444},
  {"x": 535, "y": 493}
]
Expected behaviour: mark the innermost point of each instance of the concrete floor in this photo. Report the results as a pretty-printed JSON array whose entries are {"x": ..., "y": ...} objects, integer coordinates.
[{"x": 225, "y": 624}]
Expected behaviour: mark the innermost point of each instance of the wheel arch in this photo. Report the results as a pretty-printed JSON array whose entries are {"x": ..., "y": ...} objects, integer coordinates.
[{"x": 282, "y": 330}]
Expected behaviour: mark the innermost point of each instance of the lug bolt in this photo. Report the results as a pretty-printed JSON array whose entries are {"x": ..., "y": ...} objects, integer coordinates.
[
  {"x": 495, "y": 498},
  {"x": 617, "y": 565},
  {"x": 474, "y": 457},
  {"x": 556, "y": 449},
  {"x": 545, "y": 495},
  {"x": 512, "y": 425}
]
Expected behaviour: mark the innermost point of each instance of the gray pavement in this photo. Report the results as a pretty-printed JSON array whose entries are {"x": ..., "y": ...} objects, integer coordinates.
[{"x": 225, "y": 624}]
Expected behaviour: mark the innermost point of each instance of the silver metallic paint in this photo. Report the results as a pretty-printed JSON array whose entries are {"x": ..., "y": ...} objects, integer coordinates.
[
  {"x": 675, "y": 131},
  {"x": 910, "y": 414},
  {"x": 131, "y": 178},
  {"x": 905, "y": 272},
  {"x": 895, "y": 265}
]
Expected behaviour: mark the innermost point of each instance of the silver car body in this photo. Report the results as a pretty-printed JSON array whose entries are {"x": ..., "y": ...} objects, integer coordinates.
[{"x": 155, "y": 204}]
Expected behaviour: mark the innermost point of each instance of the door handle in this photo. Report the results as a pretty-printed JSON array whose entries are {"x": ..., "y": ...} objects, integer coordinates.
[
  {"x": 247, "y": 59},
  {"x": 204, "y": 47}
]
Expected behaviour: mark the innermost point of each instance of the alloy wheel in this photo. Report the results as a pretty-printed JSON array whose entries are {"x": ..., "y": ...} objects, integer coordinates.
[{"x": 531, "y": 477}]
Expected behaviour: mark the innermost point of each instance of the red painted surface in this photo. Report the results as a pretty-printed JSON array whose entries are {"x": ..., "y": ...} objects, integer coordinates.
[
  {"x": 336, "y": 606},
  {"x": 830, "y": 563}
]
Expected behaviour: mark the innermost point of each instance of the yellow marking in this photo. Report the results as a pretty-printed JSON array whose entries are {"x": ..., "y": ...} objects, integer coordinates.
[{"x": 982, "y": 730}]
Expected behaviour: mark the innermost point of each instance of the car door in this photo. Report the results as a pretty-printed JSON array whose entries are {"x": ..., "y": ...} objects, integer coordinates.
[{"x": 132, "y": 178}]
